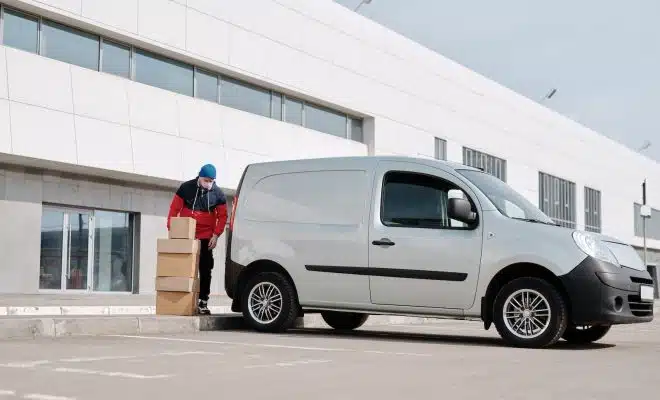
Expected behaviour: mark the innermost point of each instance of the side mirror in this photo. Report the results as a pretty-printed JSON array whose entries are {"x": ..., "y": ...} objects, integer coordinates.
[{"x": 461, "y": 210}]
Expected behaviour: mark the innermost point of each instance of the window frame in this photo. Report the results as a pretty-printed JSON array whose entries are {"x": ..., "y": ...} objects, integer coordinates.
[{"x": 467, "y": 227}]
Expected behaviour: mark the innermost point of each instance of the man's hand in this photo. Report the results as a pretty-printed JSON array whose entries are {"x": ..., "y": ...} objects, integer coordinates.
[{"x": 213, "y": 242}]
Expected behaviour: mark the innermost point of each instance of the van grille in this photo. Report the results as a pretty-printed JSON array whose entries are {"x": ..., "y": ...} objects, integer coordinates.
[
  {"x": 638, "y": 307},
  {"x": 644, "y": 281}
]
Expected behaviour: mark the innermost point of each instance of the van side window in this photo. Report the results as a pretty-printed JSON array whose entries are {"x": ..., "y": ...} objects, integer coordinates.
[{"x": 418, "y": 201}]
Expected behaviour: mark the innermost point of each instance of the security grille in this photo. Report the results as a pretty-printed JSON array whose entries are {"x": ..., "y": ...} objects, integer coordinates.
[
  {"x": 486, "y": 162},
  {"x": 592, "y": 222},
  {"x": 557, "y": 199}
]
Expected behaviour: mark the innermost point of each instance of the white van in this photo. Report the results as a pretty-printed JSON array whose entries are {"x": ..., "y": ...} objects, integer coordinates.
[{"x": 349, "y": 237}]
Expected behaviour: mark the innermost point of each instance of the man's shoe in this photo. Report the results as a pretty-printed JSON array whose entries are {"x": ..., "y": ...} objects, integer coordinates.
[{"x": 203, "y": 308}]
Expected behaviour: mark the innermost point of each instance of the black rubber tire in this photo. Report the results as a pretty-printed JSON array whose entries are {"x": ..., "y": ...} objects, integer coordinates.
[
  {"x": 584, "y": 336},
  {"x": 344, "y": 321},
  {"x": 558, "y": 313},
  {"x": 290, "y": 308}
]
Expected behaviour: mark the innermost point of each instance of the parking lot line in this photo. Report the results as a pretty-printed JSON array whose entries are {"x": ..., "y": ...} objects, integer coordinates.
[
  {"x": 36, "y": 396},
  {"x": 266, "y": 345},
  {"x": 113, "y": 374},
  {"x": 7, "y": 393}
]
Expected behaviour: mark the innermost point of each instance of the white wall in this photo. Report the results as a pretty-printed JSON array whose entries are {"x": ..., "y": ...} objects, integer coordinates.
[{"x": 316, "y": 49}]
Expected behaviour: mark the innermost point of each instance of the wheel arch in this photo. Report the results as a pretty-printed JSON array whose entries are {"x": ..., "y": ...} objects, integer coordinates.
[
  {"x": 252, "y": 269},
  {"x": 514, "y": 271}
]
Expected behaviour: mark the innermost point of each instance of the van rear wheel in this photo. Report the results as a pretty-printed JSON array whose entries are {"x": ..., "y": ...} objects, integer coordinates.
[
  {"x": 344, "y": 321},
  {"x": 269, "y": 302},
  {"x": 585, "y": 334},
  {"x": 530, "y": 312}
]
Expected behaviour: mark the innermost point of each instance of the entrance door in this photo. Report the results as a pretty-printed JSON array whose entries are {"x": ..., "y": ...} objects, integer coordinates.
[
  {"x": 65, "y": 255},
  {"x": 419, "y": 257}
]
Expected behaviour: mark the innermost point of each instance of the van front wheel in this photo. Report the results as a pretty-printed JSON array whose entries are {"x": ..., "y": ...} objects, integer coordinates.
[
  {"x": 530, "y": 312},
  {"x": 269, "y": 302},
  {"x": 344, "y": 321}
]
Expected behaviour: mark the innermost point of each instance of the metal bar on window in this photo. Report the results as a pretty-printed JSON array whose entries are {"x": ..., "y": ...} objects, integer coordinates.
[
  {"x": 2, "y": 23},
  {"x": 101, "y": 53},
  {"x": 39, "y": 35}
]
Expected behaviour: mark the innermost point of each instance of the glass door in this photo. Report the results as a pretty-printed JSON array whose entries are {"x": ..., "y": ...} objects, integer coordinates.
[
  {"x": 77, "y": 273},
  {"x": 65, "y": 255}
]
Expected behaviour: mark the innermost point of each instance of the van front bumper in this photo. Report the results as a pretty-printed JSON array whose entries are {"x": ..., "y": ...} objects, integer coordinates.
[{"x": 602, "y": 293}]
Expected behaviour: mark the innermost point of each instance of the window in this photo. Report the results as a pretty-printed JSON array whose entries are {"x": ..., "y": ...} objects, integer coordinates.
[
  {"x": 486, "y": 162},
  {"x": 160, "y": 72},
  {"x": 207, "y": 86},
  {"x": 116, "y": 59},
  {"x": 417, "y": 201},
  {"x": 276, "y": 104},
  {"x": 440, "y": 149},
  {"x": 509, "y": 202},
  {"x": 86, "y": 250},
  {"x": 293, "y": 111},
  {"x": 69, "y": 45},
  {"x": 20, "y": 31},
  {"x": 592, "y": 222},
  {"x": 325, "y": 120},
  {"x": 356, "y": 130},
  {"x": 245, "y": 97},
  {"x": 557, "y": 199}
]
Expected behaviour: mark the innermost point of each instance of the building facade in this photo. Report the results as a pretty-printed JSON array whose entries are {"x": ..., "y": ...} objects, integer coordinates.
[{"x": 106, "y": 106}]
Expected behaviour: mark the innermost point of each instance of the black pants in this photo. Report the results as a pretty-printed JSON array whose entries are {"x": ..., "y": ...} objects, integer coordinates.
[{"x": 205, "y": 267}]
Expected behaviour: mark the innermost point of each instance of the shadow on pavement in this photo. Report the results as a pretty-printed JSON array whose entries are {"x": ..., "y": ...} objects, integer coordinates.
[{"x": 466, "y": 340}]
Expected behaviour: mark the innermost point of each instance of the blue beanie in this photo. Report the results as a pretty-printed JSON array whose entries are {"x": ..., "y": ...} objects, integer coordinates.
[{"x": 207, "y": 171}]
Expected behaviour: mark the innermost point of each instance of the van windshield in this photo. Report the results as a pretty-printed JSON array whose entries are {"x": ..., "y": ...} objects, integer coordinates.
[{"x": 509, "y": 202}]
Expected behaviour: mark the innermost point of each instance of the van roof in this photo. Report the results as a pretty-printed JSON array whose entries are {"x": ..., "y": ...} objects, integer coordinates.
[{"x": 372, "y": 159}]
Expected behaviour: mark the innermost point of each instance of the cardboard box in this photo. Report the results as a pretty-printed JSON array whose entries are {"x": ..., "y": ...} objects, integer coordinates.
[
  {"x": 173, "y": 264},
  {"x": 176, "y": 303},
  {"x": 178, "y": 246},
  {"x": 182, "y": 228},
  {"x": 177, "y": 284}
]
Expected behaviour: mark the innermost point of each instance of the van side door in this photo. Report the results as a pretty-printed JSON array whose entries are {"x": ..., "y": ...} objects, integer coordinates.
[{"x": 418, "y": 257}]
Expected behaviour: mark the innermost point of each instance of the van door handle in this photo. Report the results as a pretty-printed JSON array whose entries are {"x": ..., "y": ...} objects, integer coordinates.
[{"x": 383, "y": 242}]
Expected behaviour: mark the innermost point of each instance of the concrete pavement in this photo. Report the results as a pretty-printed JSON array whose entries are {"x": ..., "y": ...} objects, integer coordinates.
[{"x": 450, "y": 359}]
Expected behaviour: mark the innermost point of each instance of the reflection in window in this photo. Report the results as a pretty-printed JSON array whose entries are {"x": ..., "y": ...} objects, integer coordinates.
[
  {"x": 116, "y": 59},
  {"x": 163, "y": 73},
  {"x": 356, "y": 130},
  {"x": 416, "y": 201},
  {"x": 276, "y": 112},
  {"x": 245, "y": 97},
  {"x": 325, "y": 120},
  {"x": 207, "y": 86},
  {"x": 293, "y": 111},
  {"x": 52, "y": 244},
  {"x": 20, "y": 31},
  {"x": 69, "y": 45},
  {"x": 113, "y": 252}
]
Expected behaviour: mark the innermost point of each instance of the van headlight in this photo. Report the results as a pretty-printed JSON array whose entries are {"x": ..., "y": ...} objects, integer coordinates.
[{"x": 593, "y": 247}]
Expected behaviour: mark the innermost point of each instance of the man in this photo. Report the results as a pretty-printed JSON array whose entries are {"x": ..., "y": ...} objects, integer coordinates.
[{"x": 201, "y": 199}]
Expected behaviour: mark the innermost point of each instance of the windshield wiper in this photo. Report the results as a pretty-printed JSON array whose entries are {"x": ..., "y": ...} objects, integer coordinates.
[{"x": 536, "y": 221}]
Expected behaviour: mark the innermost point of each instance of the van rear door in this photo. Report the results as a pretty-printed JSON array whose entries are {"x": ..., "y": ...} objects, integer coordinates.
[{"x": 418, "y": 257}]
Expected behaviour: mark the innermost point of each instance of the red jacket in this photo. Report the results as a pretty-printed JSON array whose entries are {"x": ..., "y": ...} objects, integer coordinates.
[{"x": 207, "y": 207}]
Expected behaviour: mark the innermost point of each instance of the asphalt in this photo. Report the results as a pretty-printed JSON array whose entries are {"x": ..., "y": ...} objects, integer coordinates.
[{"x": 449, "y": 359}]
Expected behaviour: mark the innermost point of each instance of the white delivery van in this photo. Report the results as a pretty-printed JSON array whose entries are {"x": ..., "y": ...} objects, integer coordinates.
[{"x": 350, "y": 237}]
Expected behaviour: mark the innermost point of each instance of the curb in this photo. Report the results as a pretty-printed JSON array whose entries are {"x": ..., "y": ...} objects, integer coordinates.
[
  {"x": 51, "y": 311},
  {"x": 29, "y": 327}
]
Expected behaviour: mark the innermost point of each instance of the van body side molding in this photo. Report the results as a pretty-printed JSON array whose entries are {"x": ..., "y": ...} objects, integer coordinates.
[{"x": 391, "y": 272}]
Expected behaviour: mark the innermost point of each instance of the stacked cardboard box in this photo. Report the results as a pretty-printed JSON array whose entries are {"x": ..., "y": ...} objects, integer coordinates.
[{"x": 177, "y": 269}]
